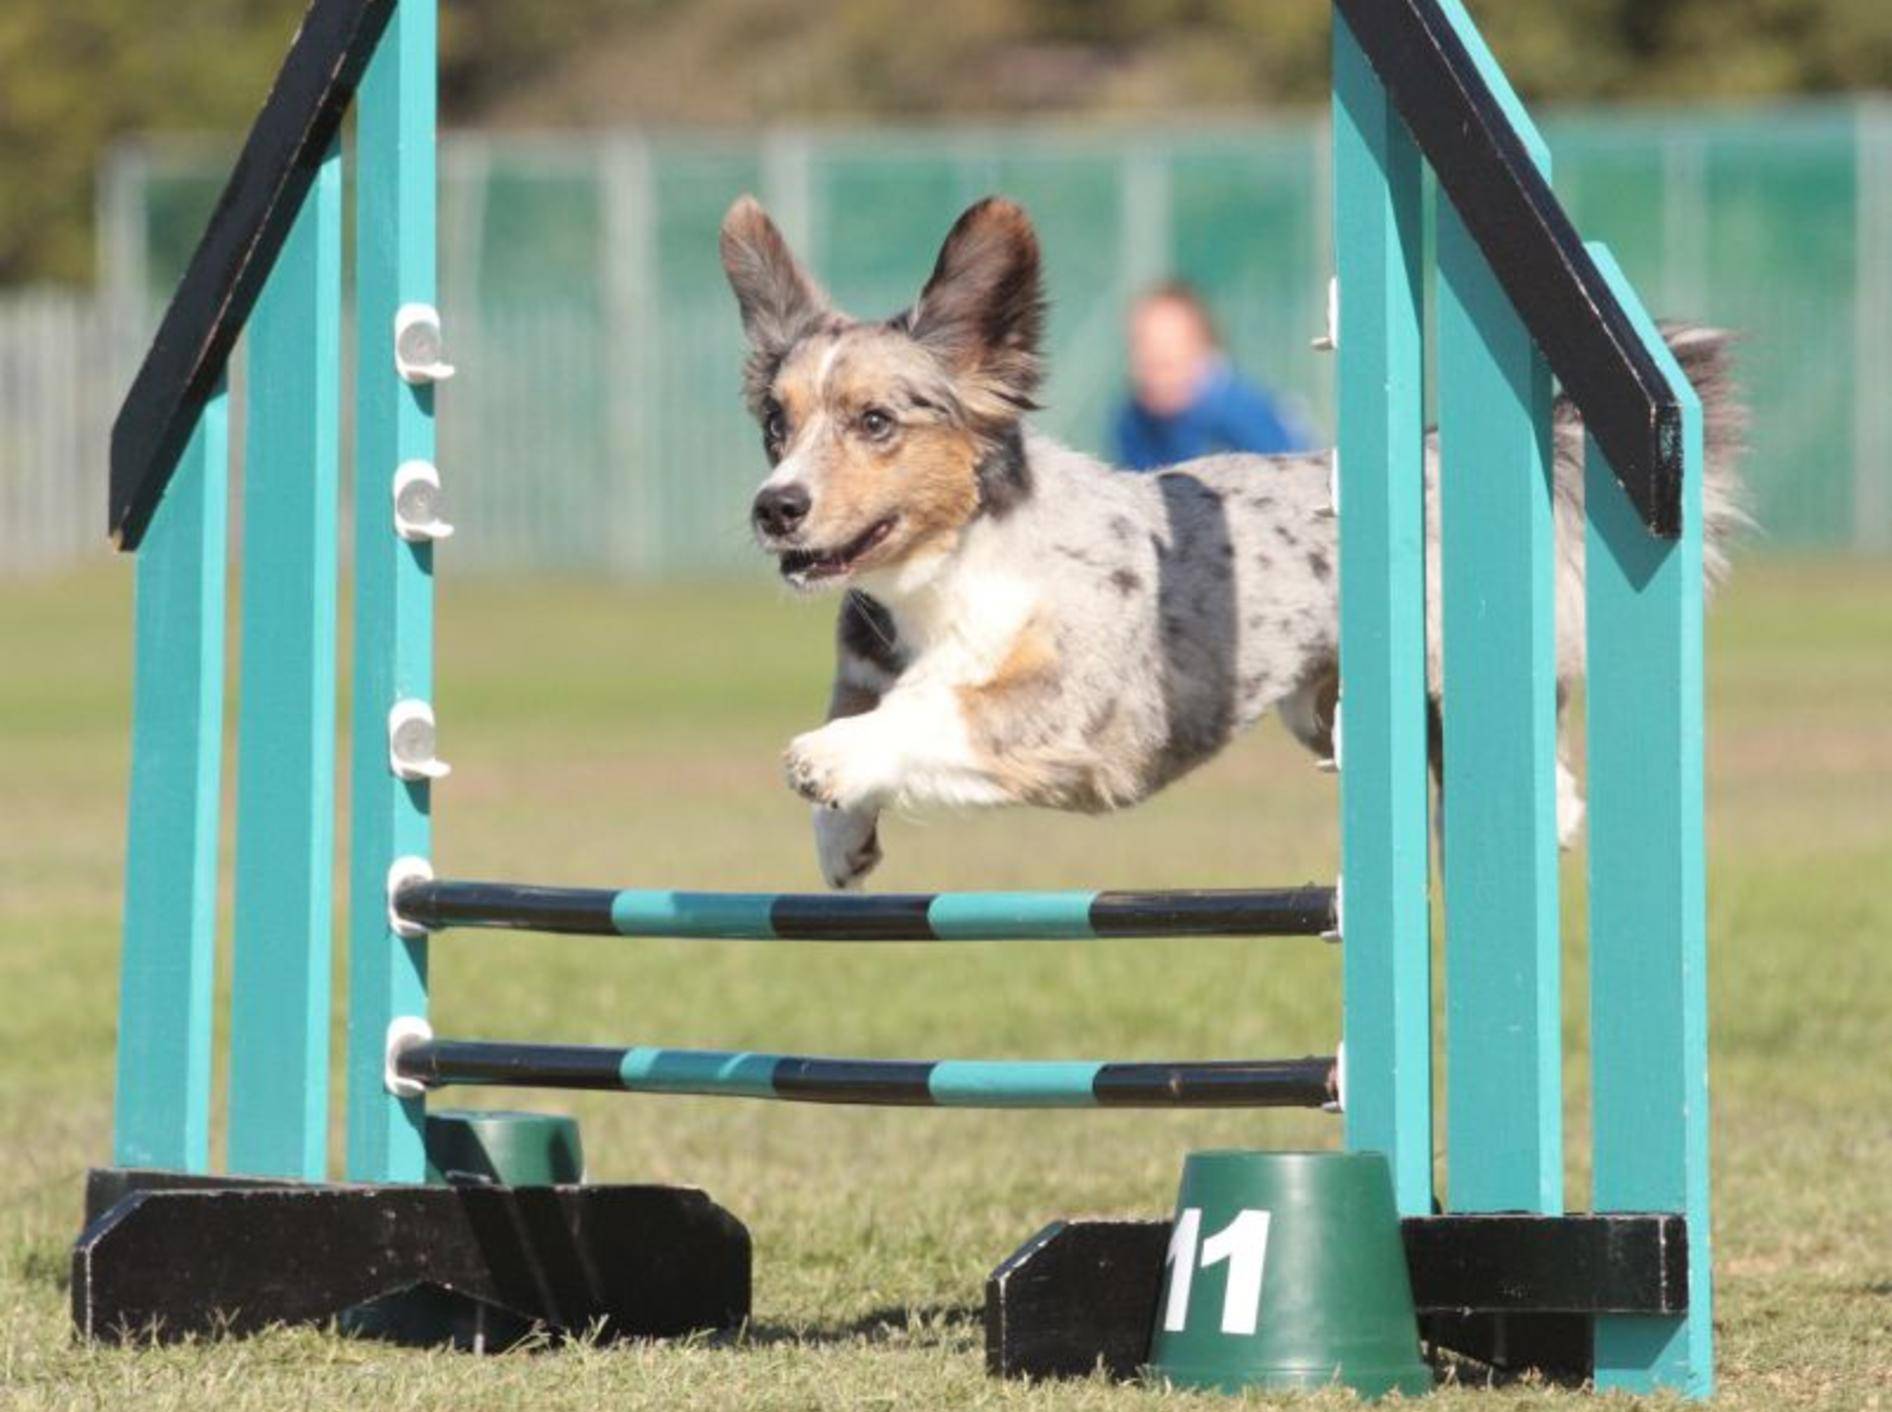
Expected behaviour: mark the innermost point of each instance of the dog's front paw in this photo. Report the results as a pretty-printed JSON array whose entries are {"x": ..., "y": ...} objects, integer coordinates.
[
  {"x": 847, "y": 845},
  {"x": 810, "y": 767},
  {"x": 833, "y": 766}
]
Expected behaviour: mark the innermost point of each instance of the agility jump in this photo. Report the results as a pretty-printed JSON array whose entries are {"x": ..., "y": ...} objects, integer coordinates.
[{"x": 1622, "y": 1294}]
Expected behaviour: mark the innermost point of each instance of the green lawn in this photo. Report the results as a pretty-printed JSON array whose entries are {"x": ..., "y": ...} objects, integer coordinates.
[{"x": 612, "y": 735}]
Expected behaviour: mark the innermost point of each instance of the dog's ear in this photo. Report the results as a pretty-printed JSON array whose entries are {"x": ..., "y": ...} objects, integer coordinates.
[
  {"x": 780, "y": 301},
  {"x": 982, "y": 313}
]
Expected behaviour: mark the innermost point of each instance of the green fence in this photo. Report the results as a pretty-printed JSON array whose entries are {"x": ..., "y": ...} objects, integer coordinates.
[{"x": 595, "y": 425}]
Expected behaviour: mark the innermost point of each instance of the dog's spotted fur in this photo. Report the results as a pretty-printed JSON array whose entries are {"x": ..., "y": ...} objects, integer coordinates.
[{"x": 1025, "y": 625}]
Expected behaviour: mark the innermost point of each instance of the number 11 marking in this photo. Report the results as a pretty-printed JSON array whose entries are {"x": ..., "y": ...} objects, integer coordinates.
[{"x": 1243, "y": 1242}]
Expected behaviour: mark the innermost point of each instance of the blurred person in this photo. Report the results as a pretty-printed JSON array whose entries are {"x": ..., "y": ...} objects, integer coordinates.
[{"x": 1185, "y": 400}]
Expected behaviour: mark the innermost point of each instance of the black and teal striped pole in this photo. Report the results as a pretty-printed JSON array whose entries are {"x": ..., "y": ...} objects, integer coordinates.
[
  {"x": 923, "y": 916},
  {"x": 417, "y": 1061}
]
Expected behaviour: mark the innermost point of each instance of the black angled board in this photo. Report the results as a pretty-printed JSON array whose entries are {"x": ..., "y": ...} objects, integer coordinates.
[
  {"x": 1513, "y": 1291},
  {"x": 1531, "y": 246},
  {"x": 233, "y": 258},
  {"x": 415, "y": 1263}
]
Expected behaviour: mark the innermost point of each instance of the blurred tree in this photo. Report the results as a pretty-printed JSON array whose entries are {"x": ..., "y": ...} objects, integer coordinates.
[
  {"x": 77, "y": 74},
  {"x": 74, "y": 74}
]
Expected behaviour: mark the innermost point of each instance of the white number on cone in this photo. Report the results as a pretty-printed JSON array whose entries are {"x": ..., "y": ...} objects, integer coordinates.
[
  {"x": 1243, "y": 1242},
  {"x": 1181, "y": 1260}
]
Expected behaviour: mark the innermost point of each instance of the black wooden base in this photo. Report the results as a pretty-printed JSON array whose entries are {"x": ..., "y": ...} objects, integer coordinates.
[
  {"x": 166, "y": 1257},
  {"x": 1512, "y": 1293}
]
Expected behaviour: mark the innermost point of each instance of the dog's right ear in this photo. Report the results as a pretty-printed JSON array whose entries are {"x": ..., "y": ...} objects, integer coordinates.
[{"x": 780, "y": 302}]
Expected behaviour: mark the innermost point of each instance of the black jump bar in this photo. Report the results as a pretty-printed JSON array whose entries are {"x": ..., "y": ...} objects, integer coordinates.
[
  {"x": 923, "y": 916},
  {"x": 1312, "y": 1082}
]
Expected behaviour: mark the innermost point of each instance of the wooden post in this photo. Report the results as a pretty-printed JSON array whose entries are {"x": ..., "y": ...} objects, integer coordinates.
[
  {"x": 279, "y": 1008},
  {"x": 1648, "y": 947},
  {"x": 1504, "y": 1061},
  {"x": 1380, "y": 479},
  {"x": 162, "y": 1117},
  {"x": 395, "y": 243}
]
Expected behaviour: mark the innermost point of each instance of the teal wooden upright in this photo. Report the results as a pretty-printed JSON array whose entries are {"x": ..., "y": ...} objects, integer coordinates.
[
  {"x": 279, "y": 1007},
  {"x": 1380, "y": 480},
  {"x": 162, "y": 1112},
  {"x": 393, "y": 659},
  {"x": 1504, "y": 1066},
  {"x": 1648, "y": 939}
]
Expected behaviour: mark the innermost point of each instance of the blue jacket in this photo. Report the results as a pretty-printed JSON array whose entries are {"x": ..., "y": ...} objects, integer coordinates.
[{"x": 1227, "y": 415}]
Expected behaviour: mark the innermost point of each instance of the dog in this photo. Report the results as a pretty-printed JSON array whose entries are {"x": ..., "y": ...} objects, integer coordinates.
[{"x": 1021, "y": 623}]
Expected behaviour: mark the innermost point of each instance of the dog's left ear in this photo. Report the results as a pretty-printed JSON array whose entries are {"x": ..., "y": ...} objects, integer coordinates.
[{"x": 982, "y": 313}]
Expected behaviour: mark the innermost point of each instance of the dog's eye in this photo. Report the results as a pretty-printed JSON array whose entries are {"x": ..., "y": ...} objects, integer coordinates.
[
  {"x": 774, "y": 425},
  {"x": 875, "y": 423}
]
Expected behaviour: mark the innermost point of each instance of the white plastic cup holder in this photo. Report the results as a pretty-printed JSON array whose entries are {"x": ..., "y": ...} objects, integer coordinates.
[
  {"x": 412, "y": 742},
  {"x": 419, "y": 347},
  {"x": 401, "y": 872},
  {"x": 1330, "y": 340},
  {"x": 1338, "y": 930},
  {"x": 405, "y": 1032},
  {"x": 417, "y": 503}
]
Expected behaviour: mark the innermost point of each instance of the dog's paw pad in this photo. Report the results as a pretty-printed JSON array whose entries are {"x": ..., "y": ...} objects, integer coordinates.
[
  {"x": 806, "y": 778},
  {"x": 834, "y": 766}
]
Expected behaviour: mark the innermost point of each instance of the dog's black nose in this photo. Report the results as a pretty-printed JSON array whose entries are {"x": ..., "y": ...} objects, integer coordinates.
[{"x": 779, "y": 508}]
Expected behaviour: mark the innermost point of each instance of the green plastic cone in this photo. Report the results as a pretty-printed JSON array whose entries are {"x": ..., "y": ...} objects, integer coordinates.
[
  {"x": 1286, "y": 1270},
  {"x": 494, "y": 1147}
]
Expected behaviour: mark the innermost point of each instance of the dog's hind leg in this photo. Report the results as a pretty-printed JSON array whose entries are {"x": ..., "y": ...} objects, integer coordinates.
[
  {"x": 867, "y": 662},
  {"x": 847, "y": 844},
  {"x": 1570, "y": 808},
  {"x": 1569, "y": 792},
  {"x": 847, "y": 841},
  {"x": 1308, "y": 710},
  {"x": 1435, "y": 762}
]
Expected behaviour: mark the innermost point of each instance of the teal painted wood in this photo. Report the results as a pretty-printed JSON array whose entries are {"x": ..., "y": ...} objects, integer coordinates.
[
  {"x": 953, "y": 916},
  {"x": 1504, "y": 1090},
  {"x": 1000, "y": 1083},
  {"x": 162, "y": 1112},
  {"x": 650, "y": 1069},
  {"x": 950, "y": 1083},
  {"x": 1017, "y": 916},
  {"x": 1648, "y": 946},
  {"x": 285, "y": 841},
  {"x": 1387, "y": 949},
  {"x": 395, "y": 199},
  {"x": 652, "y": 912}
]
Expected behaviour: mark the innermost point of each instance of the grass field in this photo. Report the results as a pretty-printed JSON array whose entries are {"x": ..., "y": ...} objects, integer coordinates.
[{"x": 629, "y": 737}]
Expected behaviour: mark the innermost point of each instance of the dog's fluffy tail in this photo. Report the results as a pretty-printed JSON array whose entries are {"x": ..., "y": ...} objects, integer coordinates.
[{"x": 1707, "y": 359}]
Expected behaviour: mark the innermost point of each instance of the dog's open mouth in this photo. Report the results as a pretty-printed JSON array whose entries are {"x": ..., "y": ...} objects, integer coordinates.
[{"x": 802, "y": 566}]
